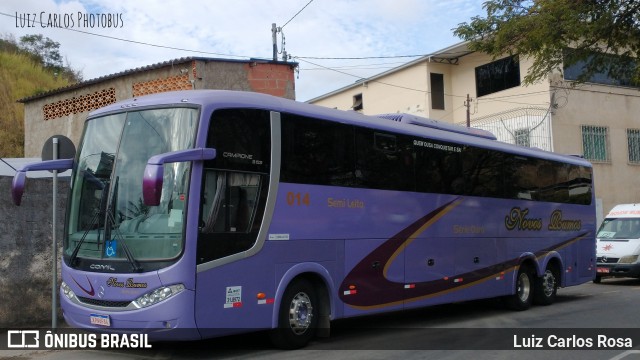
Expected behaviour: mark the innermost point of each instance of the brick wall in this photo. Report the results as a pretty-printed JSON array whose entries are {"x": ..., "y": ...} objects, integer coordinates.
[{"x": 270, "y": 79}]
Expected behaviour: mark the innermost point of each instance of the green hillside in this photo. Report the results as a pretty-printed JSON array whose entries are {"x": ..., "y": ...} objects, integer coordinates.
[{"x": 21, "y": 75}]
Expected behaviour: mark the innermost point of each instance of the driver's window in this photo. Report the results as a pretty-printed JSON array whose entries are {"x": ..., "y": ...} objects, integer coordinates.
[{"x": 229, "y": 201}]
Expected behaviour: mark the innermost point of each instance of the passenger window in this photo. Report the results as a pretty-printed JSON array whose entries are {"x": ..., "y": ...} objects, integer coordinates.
[
  {"x": 384, "y": 161},
  {"x": 317, "y": 152}
]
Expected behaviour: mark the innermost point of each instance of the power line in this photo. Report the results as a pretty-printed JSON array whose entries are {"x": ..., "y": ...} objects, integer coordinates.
[
  {"x": 239, "y": 56},
  {"x": 309, "y": 57},
  {"x": 488, "y": 99},
  {"x": 294, "y": 16},
  {"x": 359, "y": 58},
  {"x": 458, "y": 53},
  {"x": 365, "y": 79}
]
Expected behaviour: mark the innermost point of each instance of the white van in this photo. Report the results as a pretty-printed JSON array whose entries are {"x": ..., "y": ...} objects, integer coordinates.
[{"x": 618, "y": 243}]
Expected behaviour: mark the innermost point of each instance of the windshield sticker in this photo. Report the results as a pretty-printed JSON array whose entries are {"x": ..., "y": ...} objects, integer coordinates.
[
  {"x": 234, "y": 297},
  {"x": 607, "y": 234},
  {"x": 110, "y": 248},
  {"x": 441, "y": 147}
]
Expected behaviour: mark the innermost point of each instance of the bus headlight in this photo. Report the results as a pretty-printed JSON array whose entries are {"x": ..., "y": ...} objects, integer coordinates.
[
  {"x": 157, "y": 295},
  {"x": 66, "y": 290},
  {"x": 628, "y": 259}
]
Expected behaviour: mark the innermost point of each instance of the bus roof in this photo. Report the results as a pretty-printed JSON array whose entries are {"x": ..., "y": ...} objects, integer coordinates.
[{"x": 210, "y": 100}]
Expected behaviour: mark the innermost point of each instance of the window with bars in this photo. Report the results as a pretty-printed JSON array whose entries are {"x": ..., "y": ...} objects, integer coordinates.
[
  {"x": 633, "y": 142},
  {"x": 523, "y": 137},
  {"x": 595, "y": 143}
]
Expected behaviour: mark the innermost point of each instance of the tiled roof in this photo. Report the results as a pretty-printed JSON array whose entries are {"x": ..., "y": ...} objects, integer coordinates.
[{"x": 138, "y": 70}]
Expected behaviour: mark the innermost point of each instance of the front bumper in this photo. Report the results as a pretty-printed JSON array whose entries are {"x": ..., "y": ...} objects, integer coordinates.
[
  {"x": 172, "y": 319},
  {"x": 618, "y": 270}
]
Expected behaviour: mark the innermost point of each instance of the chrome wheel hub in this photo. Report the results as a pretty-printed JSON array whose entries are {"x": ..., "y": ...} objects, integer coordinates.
[
  {"x": 300, "y": 313},
  {"x": 548, "y": 283},
  {"x": 524, "y": 287}
]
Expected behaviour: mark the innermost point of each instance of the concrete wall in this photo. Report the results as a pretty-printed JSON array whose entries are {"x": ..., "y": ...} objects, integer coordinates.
[
  {"x": 25, "y": 252},
  {"x": 617, "y": 109}
]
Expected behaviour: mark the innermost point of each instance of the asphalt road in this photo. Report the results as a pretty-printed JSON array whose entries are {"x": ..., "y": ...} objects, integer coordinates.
[{"x": 469, "y": 330}]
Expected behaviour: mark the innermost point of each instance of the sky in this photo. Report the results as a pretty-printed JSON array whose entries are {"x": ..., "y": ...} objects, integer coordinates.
[{"x": 366, "y": 36}]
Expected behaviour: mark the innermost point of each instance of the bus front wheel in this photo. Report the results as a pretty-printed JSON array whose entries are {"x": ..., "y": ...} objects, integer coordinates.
[
  {"x": 523, "y": 296},
  {"x": 297, "y": 316}
]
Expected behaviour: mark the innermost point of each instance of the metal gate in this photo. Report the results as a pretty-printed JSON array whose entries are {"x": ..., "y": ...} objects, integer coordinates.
[{"x": 530, "y": 126}]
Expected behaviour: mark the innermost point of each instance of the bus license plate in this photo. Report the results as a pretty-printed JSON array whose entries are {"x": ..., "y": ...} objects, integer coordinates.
[
  {"x": 102, "y": 320},
  {"x": 602, "y": 270}
]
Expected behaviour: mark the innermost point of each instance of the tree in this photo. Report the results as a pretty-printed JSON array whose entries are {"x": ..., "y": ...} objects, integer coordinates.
[
  {"x": 45, "y": 49},
  {"x": 557, "y": 33},
  {"x": 47, "y": 52}
]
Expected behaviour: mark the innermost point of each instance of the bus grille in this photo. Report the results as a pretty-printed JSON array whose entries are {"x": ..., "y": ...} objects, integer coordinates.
[{"x": 104, "y": 303}]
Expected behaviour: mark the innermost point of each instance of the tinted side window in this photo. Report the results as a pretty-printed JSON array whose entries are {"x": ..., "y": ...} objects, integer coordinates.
[
  {"x": 317, "y": 152},
  {"x": 545, "y": 180},
  {"x": 438, "y": 167},
  {"x": 233, "y": 184},
  {"x": 384, "y": 161},
  {"x": 242, "y": 139},
  {"x": 579, "y": 183},
  {"x": 482, "y": 172}
]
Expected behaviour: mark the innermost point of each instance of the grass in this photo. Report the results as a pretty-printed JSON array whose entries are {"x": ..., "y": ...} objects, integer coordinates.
[{"x": 20, "y": 77}]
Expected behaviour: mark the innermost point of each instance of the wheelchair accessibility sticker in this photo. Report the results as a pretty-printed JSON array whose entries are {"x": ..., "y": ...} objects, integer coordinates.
[{"x": 110, "y": 248}]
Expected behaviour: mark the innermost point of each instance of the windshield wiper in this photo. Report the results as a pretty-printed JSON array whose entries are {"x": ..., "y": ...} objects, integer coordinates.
[
  {"x": 94, "y": 220},
  {"x": 96, "y": 216}
]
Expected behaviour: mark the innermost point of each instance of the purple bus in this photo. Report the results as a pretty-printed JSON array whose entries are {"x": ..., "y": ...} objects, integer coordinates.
[{"x": 198, "y": 214}]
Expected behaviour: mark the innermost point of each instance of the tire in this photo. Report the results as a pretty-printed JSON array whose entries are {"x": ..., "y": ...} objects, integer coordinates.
[
  {"x": 523, "y": 296},
  {"x": 597, "y": 279},
  {"x": 297, "y": 316},
  {"x": 546, "y": 287}
]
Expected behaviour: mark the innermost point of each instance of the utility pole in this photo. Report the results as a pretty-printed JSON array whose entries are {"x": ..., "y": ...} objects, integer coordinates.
[
  {"x": 274, "y": 38},
  {"x": 468, "y": 105}
]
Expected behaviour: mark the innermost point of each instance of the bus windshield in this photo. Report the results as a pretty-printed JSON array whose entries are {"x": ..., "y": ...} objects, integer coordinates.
[{"x": 108, "y": 219}]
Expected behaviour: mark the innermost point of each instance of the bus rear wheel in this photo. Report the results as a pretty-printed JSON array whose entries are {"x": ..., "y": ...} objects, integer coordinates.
[
  {"x": 546, "y": 287},
  {"x": 297, "y": 316},
  {"x": 523, "y": 296}
]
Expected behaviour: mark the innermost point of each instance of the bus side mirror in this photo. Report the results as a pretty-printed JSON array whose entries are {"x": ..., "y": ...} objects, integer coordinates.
[
  {"x": 154, "y": 171},
  {"x": 20, "y": 178}
]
